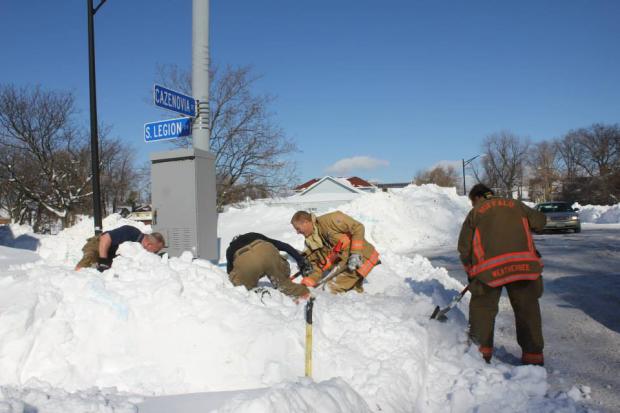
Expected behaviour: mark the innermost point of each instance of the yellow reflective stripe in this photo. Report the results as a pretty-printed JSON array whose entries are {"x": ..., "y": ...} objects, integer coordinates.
[
  {"x": 502, "y": 259},
  {"x": 368, "y": 264}
]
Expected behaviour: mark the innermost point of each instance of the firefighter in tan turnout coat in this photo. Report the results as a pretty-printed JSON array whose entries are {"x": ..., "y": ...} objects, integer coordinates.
[
  {"x": 336, "y": 239},
  {"x": 497, "y": 249}
]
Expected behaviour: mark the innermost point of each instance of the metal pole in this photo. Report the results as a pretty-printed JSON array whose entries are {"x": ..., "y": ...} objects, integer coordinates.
[
  {"x": 94, "y": 139},
  {"x": 464, "y": 189},
  {"x": 200, "y": 73},
  {"x": 308, "y": 354}
]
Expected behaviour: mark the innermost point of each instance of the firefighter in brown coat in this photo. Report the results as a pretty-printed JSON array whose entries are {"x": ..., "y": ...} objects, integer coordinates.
[
  {"x": 497, "y": 249},
  {"x": 336, "y": 239}
]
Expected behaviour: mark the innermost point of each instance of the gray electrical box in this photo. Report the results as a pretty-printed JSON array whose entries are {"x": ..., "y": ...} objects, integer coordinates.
[{"x": 184, "y": 201}]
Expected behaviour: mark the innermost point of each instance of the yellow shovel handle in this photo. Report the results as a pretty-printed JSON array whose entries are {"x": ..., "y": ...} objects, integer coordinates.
[{"x": 308, "y": 350}]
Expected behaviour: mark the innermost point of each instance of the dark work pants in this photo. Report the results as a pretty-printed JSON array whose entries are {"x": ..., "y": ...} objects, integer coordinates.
[{"x": 523, "y": 297}]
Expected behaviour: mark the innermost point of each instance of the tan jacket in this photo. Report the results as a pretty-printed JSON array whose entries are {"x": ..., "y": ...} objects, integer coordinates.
[
  {"x": 341, "y": 236},
  {"x": 495, "y": 243}
]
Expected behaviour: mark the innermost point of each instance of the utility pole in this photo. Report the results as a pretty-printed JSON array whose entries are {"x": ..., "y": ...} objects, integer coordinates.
[
  {"x": 466, "y": 162},
  {"x": 464, "y": 188},
  {"x": 94, "y": 138},
  {"x": 183, "y": 181},
  {"x": 201, "y": 131}
]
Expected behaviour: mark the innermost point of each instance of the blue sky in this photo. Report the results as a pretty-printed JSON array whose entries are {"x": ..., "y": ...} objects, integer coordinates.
[{"x": 384, "y": 87}]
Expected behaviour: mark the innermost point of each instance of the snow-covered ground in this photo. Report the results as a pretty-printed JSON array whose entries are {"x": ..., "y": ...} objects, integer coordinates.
[{"x": 171, "y": 334}]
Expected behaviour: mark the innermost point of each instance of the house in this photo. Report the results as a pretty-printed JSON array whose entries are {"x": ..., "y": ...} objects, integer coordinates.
[
  {"x": 319, "y": 195},
  {"x": 354, "y": 181}
]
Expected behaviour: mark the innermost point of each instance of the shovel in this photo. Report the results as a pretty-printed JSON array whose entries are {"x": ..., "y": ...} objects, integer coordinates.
[
  {"x": 333, "y": 273},
  {"x": 439, "y": 314}
]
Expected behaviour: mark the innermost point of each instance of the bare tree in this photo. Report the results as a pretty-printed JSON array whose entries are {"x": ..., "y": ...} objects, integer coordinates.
[
  {"x": 252, "y": 152},
  {"x": 440, "y": 175},
  {"x": 591, "y": 159},
  {"x": 45, "y": 170},
  {"x": 598, "y": 146},
  {"x": 45, "y": 155},
  {"x": 544, "y": 163},
  {"x": 119, "y": 176},
  {"x": 504, "y": 162}
]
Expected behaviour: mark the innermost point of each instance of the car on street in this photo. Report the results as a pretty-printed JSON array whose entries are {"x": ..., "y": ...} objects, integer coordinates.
[{"x": 560, "y": 216}]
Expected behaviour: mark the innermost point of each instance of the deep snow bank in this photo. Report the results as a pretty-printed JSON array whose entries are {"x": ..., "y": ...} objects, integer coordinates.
[
  {"x": 157, "y": 326},
  {"x": 334, "y": 396},
  {"x": 302, "y": 395},
  {"x": 599, "y": 214},
  {"x": 44, "y": 399},
  {"x": 411, "y": 219}
]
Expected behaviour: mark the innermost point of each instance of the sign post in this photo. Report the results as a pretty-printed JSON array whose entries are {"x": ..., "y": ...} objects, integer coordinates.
[{"x": 183, "y": 181}]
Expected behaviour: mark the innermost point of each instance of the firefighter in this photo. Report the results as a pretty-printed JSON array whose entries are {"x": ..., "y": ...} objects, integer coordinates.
[
  {"x": 496, "y": 247},
  {"x": 101, "y": 249},
  {"x": 251, "y": 256},
  {"x": 336, "y": 239}
]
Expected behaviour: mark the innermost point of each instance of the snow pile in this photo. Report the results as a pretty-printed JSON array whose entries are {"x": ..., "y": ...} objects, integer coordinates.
[
  {"x": 272, "y": 221},
  {"x": 414, "y": 218},
  {"x": 66, "y": 247},
  {"x": 49, "y": 400},
  {"x": 334, "y": 396},
  {"x": 163, "y": 326},
  {"x": 599, "y": 214},
  {"x": 159, "y": 326}
]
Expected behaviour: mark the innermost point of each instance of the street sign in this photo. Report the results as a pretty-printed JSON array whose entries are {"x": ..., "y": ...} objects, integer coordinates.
[
  {"x": 167, "y": 129},
  {"x": 174, "y": 101}
]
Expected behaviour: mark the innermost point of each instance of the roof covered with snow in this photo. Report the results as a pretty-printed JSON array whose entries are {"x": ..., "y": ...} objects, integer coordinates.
[{"x": 354, "y": 181}]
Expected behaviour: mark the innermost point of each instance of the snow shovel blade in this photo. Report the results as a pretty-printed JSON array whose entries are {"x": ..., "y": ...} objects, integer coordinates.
[{"x": 439, "y": 314}]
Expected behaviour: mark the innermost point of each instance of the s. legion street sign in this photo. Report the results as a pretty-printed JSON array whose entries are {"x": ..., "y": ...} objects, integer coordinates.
[
  {"x": 174, "y": 101},
  {"x": 167, "y": 129}
]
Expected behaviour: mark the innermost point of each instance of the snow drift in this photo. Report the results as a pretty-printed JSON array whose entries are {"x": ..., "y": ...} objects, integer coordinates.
[
  {"x": 599, "y": 214},
  {"x": 162, "y": 326}
]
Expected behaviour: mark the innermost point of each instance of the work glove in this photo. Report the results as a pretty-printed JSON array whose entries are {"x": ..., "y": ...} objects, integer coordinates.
[
  {"x": 355, "y": 261},
  {"x": 103, "y": 264},
  {"x": 306, "y": 268}
]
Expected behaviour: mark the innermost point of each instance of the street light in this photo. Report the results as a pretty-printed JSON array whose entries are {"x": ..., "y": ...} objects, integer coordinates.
[
  {"x": 94, "y": 138},
  {"x": 465, "y": 163}
]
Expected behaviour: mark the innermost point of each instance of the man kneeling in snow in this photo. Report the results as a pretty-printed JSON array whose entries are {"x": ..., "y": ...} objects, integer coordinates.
[
  {"x": 331, "y": 238},
  {"x": 251, "y": 256},
  {"x": 101, "y": 249}
]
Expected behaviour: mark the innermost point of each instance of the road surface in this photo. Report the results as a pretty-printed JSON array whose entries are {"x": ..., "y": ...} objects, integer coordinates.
[{"x": 580, "y": 311}]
